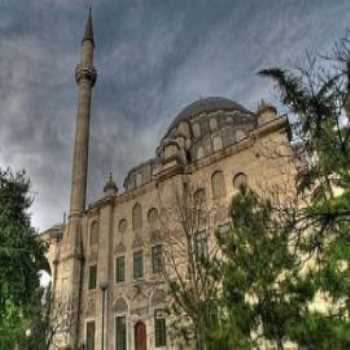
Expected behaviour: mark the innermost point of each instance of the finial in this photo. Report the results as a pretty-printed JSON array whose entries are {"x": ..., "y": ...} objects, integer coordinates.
[
  {"x": 89, "y": 29},
  {"x": 110, "y": 187}
]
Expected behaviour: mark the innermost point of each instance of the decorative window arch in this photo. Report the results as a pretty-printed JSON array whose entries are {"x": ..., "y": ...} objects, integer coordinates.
[
  {"x": 120, "y": 305},
  {"x": 122, "y": 226},
  {"x": 94, "y": 233},
  {"x": 158, "y": 297},
  {"x": 137, "y": 216},
  {"x": 240, "y": 179},
  {"x": 218, "y": 184}
]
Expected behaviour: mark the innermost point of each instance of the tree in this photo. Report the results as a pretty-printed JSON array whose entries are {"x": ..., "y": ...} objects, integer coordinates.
[
  {"x": 187, "y": 255},
  {"x": 303, "y": 296},
  {"x": 50, "y": 321},
  {"x": 321, "y": 101},
  {"x": 21, "y": 257},
  {"x": 259, "y": 273},
  {"x": 319, "y": 95}
]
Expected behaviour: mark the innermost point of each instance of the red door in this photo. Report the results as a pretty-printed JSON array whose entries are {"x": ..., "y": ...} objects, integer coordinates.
[{"x": 140, "y": 336}]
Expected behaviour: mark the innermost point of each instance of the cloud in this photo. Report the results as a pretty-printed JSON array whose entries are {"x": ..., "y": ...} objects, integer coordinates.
[{"x": 153, "y": 58}]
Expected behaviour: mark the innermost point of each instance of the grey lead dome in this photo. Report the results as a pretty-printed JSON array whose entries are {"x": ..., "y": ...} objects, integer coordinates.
[{"x": 208, "y": 104}]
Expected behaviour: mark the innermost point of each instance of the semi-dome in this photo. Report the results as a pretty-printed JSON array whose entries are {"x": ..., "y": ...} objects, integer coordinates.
[{"x": 207, "y": 105}]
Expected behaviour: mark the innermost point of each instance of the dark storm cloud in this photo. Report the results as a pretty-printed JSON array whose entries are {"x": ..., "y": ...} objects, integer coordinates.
[{"x": 153, "y": 58}]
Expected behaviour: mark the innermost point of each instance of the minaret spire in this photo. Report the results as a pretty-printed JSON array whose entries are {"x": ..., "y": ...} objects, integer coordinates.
[{"x": 89, "y": 28}]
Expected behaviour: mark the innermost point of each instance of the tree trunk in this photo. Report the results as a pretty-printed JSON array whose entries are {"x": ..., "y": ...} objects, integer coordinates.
[
  {"x": 280, "y": 344},
  {"x": 200, "y": 341}
]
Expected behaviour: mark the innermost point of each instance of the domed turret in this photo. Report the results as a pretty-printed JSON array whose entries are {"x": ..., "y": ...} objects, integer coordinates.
[{"x": 110, "y": 187}]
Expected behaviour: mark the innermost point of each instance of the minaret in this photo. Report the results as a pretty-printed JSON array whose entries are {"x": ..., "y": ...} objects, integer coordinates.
[
  {"x": 72, "y": 259},
  {"x": 85, "y": 76}
]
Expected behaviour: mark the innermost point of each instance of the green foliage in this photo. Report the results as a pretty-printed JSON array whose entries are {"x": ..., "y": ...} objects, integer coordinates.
[
  {"x": 260, "y": 296},
  {"x": 43, "y": 323},
  {"x": 278, "y": 262},
  {"x": 321, "y": 332},
  {"x": 21, "y": 257},
  {"x": 321, "y": 100}
]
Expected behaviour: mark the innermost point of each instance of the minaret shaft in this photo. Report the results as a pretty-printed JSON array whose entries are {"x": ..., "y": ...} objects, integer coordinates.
[
  {"x": 81, "y": 151},
  {"x": 85, "y": 75}
]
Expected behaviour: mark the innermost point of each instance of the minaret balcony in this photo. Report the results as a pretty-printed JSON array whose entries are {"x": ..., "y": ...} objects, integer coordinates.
[{"x": 86, "y": 72}]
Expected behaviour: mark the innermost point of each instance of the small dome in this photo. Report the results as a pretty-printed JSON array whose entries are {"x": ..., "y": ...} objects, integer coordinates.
[
  {"x": 209, "y": 104},
  {"x": 110, "y": 186}
]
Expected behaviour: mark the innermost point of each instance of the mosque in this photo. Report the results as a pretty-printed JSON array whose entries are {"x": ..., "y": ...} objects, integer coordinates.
[{"x": 106, "y": 260}]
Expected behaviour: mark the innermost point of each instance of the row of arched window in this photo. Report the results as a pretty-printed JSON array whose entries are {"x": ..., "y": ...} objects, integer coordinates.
[
  {"x": 152, "y": 217},
  {"x": 137, "y": 222},
  {"x": 218, "y": 190},
  {"x": 201, "y": 128},
  {"x": 218, "y": 142}
]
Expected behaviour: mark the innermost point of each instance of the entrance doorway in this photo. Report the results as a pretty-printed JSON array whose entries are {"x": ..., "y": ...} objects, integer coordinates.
[{"x": 140, "y": 336}]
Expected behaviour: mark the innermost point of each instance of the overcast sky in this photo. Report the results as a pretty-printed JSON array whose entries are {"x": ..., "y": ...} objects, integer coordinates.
[{"x": 153, "y": 58}]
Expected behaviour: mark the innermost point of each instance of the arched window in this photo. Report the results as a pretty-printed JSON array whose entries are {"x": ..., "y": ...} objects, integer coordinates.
[
  {"x": 199, "y": 198},
  {"x": 239, "y": 180},
  {"x": 122, "y": 225},
  {"x": 200, "y": 153},
  {"x": 240, "y": 135},
  {"x": 152, "y": 217},
  {"x": 138, "y": 180},
  {"x": 196, "y": 130},
  {"x": 213, "y": 124},
  {"x": 199, "y": 206},
  {"x": 218, "y": 184},
  {"x": 217, "y": 142},
  {"x": 137, "y": 216},
  {"x": 94, "y": 233}
]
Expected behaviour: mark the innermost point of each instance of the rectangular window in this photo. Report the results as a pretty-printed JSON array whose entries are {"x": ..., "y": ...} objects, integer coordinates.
[
  {"x": 159, "y": 328},
  {"x": 138, "y": 264},
  {"x": 201, "y": 245},
  {"x": 157, "y": 258},
  {"x": 90, "y": 335},
  {"x": 92, "y": 276},
  {"x": 120, "y": 333},
  {"x": 120, "y": 269}
]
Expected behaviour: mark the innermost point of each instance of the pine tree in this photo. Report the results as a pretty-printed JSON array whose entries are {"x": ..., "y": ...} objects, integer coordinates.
[
  {"x": 319, "y": 96},
  {"x": 258, "y": 270}
]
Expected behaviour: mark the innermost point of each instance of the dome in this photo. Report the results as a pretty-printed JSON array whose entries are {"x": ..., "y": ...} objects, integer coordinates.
[{"x": 209, "y": 104}]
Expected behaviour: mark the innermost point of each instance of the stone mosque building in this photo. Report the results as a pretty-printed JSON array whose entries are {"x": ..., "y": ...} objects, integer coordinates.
[{"x": 106, "y": 260}]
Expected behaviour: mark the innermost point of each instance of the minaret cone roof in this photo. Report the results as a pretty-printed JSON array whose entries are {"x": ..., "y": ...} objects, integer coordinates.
[{"x": 89, "y": 29}]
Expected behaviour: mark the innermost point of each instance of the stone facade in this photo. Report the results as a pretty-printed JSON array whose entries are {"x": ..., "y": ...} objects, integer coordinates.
[{"x": 214, "y": 144}]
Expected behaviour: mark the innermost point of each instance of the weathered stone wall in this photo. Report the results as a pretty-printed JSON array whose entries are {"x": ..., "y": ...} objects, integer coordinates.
[{"x": 256, "y": 158}]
